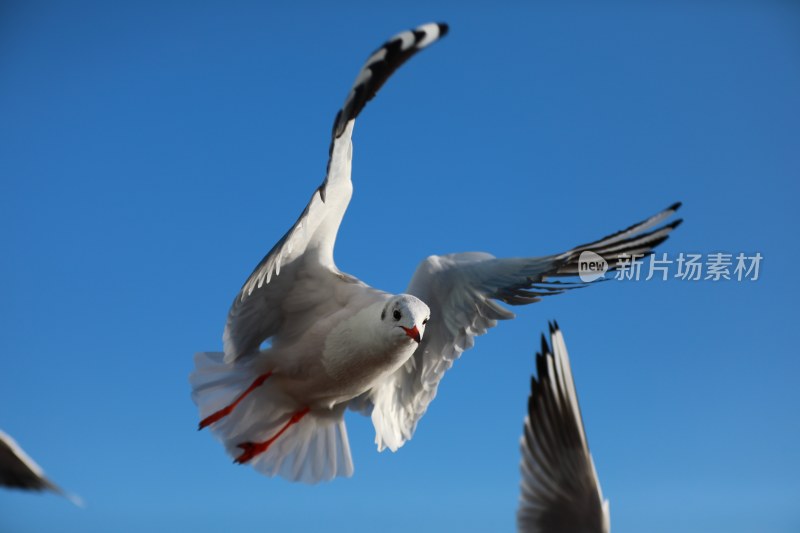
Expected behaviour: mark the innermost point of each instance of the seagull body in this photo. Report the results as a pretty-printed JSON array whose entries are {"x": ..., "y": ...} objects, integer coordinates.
[
  {"x": 332, "y": 337},
  {"x": 336, "y": 343},
  {"x": 19, "y": 471},
  {"x": 560, "y": 488}
]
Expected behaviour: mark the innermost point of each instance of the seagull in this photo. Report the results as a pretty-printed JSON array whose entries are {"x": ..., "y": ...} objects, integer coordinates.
[
  {"x": 19, "y": 471},
  {"x": 560, "y": 489},
  {"x": 304, "y": 341}
]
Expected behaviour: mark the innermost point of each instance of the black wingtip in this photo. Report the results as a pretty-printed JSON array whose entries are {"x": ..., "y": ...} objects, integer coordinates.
[
  {"x": 555, "y": 323},
  {"x": 544, "y": 348},
  {"x": 675, "y": 224},
  {"x": 675, "y": 206},
  {"x": 443, "y": 28}
]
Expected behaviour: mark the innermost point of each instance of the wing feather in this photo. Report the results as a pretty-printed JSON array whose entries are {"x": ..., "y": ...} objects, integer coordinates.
[
  {"x": 19, "y": 471},
  {"x": 560, "y": 490}
]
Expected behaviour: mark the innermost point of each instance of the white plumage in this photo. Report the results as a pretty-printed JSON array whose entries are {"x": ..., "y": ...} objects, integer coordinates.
[{"x": 335, "y": 342}]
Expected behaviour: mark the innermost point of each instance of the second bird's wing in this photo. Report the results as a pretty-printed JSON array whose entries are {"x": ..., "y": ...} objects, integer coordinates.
[
  {"x": 560, "y": 490},
  {"x": 19, "y": 471}
]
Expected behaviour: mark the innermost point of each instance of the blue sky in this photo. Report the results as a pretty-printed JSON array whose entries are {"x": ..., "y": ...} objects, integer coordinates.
[{"x": 150, "y": 156}]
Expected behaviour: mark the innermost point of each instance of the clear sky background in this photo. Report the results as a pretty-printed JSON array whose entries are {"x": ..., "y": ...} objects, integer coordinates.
[{"x": 151, "y": 155}]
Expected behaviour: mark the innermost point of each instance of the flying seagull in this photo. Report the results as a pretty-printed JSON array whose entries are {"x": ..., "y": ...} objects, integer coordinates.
[
  {"x": 332, "y": 342},
  {"x": 560, "y": 489},
  {"x": 19, "y": 471}
]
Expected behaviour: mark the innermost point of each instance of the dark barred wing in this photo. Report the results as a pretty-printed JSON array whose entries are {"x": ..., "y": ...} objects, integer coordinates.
[
  {"x": 380, "y": 65},
  {"x": 559, "y": 490},
  {"x": 256, "y": 314},
  {"x": 464, "y": 292}
]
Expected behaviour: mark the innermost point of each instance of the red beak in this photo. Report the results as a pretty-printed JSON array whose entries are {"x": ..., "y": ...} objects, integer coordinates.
[{"x": 413, "y": 333}]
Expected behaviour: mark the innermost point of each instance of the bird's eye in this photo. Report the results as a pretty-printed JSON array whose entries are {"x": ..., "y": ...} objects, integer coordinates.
[
  {"x": 425, "y": 321},
  {"x": 397, "y": 315}
]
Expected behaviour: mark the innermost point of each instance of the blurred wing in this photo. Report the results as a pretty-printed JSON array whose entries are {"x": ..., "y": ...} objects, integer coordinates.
[
  {"x": 461, "y": 291},
  {"x": 255, "y": 314},
  {"x": 560, "y": 489},
  {"x": 19, "y": 471}
]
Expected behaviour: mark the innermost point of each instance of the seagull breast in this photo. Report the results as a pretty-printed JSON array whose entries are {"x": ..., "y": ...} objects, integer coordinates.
[{"x": 358, "y": 353}]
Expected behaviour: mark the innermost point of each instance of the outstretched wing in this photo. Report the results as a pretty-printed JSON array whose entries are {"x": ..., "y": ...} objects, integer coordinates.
[
  {"x": 255, "y": 314},
  {"x": 19, "y": 471},
  {"x": 560, "y": 489},
  {"x": 462, "y": 291}
]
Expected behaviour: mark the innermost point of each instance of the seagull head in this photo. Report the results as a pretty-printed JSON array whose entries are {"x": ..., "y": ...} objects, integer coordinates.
[{"x": 406, "y": 317}]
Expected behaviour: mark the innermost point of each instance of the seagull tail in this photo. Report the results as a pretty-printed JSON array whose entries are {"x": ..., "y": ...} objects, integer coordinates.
[{"x": 261, "y": 426}]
